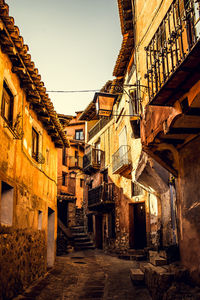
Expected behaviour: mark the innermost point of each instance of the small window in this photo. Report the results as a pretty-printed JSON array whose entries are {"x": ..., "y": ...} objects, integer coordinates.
[
  {"x": 39, "y": 220},
  {"x": 64, "y": 178},
  {"x": 81, "y": 182},
  {"x": 35, "y": 144},
  {"x": 79, "y": 134},
  {"x": 7, "y": 194},
  {"x": 7, "y": 105},
  {"x": 136, "y": 189},
  {"x": 64, "y": 157}
]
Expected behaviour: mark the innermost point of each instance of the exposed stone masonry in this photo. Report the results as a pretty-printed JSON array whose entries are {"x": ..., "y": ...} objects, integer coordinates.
[{"x": 22, "y": 259}]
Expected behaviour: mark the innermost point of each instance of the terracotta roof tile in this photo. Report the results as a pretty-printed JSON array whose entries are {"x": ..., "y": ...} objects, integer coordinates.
[{"x": 13, "y": 45}]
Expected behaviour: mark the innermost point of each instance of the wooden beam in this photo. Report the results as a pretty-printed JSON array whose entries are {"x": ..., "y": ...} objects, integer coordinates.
[{"x": 16, "y": 69}]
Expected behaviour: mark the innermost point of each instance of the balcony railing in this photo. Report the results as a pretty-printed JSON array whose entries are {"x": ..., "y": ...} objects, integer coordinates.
[
  {"x": 97, "y": 127},
  {"x": 169, "y": 49},
  {"x": 101, "y": 195},
  {"x": 75, "y": 162},
  {"x": 121, "y": 159},
  {"x": 93, "y": 160}
]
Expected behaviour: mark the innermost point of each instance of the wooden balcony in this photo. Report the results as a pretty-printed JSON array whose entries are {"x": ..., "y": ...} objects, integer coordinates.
[
  {"x": 75, "y": 162},
  {"x": 121, "y": 161},
  {"x": 173, "y": 54},
  {"x": 101, "y": 198},
  {"x": 93, "y": 161},
  {"x": 97, "y": 127}
]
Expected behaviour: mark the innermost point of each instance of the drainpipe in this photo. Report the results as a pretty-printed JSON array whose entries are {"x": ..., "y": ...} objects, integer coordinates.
[
  {"x": 173, "y": 219},
  {"x": 149, "y": 218}
]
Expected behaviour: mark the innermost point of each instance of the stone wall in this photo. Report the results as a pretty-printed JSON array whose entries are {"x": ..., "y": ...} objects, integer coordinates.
[
  {"x": 22, "y": 259},
  {"x": 121, "y": 220}
]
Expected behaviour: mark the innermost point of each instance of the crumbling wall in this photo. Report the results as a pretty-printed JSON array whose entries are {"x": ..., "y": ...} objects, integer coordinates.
[
  {"x": 189, "y": 208},
  {"x": 22, "y": 259},
  {"x": 121, "y": 220}
]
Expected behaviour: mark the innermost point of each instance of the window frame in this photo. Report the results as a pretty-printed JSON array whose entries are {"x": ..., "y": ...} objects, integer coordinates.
[
  {"x": 35, "y": 145},
  {"x": 78, "y": 134},
  {"x": 8, "y": 119},
  {"x": 64, "y": 178}
]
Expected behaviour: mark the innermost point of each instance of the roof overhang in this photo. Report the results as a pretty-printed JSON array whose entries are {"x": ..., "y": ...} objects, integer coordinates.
[{"x": 12, "y": 44}]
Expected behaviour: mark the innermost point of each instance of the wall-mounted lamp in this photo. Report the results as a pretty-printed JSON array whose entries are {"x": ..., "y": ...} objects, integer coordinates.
[{"x": 104, "y": 103}]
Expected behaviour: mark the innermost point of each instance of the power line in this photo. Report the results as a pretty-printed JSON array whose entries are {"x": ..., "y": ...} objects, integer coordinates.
[{"x": 80, "y": 91}]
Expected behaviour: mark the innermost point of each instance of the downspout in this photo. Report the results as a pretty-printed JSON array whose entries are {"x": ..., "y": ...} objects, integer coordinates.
[
  {"x": 149, "y": 218},
  {"x": 173, "y": 218}
]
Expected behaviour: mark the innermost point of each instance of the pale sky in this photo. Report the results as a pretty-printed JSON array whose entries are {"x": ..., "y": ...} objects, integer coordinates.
[{"x": 73, "y": 43}]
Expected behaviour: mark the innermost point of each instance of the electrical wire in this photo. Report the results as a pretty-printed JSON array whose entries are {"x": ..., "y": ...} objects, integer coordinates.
[{"x": 80, "y": 91}]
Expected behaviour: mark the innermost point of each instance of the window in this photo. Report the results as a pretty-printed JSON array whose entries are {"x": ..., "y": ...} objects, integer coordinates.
[
  {"x": 7, "y": 194},
  {"x": 39, "y": 220},
  {"x": 64, "y": 158},
  {"x": 81, "y": 182},
  {"x": 64, "y": 178},
  {"x": 136, "y": 190},
  {"x": 79, "y": 134},
  {"x": 7, "y": 104},
  {"x": 35, "y": 144}
]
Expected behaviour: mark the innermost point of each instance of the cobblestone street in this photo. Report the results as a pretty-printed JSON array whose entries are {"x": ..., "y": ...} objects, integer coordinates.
[{"x": 87, "y": 275}]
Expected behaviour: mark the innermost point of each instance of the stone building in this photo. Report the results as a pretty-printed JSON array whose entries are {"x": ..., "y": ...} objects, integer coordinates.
[
  {"x": 140, "y": 209},
  {"x": 167, "y": 58},
  {"x": 30, "y": 134},
  {"x": 70, "y": 175}
]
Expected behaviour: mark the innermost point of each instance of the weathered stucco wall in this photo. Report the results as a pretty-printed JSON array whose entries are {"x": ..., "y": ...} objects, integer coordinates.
[
  {"x": 33, "y": 190},
  {"x": 189, "y": 207}
]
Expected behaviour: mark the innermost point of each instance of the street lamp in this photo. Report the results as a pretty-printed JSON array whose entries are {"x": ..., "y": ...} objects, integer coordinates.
[{"x": 104, "y": 103}]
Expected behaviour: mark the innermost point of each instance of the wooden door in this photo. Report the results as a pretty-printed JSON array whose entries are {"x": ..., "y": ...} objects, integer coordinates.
[
  {"x": 98, "y": 231},
  {"x": 137, "y": 223}
]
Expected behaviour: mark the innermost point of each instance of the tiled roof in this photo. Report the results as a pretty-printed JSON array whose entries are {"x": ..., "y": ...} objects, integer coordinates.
[
  {"x": 126, "y": 20},
  {"x": 125, "y": 15},
  {"x": 124, "y": 55},
  {"x": 12, "y": 44}
]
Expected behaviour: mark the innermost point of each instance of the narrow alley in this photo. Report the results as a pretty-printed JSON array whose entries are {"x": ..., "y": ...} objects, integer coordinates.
[{"x": 89, "y": 274}]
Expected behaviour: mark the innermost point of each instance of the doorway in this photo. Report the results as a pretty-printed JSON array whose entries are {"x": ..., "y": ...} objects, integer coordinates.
[
  {"x": 50, "y": 238},
  {"x": 137, "y": 225},
  {"x": 98, "y": 231}
]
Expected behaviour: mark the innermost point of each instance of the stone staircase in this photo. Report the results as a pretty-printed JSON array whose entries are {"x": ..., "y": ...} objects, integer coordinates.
[
  {"x": 134, "y": 254},
  {"x": 165, "y": 279},
  {"x": 81, "y": 239}
]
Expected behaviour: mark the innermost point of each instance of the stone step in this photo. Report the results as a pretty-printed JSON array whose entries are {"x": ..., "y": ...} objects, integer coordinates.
[
  {"x": 79, "y": 235},
  {"x": 132, "y": 257},
  {"x": 157, "y": 261},
  {"x": 83, "y": 244},
  {"x": 92, "y": 247},
  {"x": 136, "y": 252},
  {"x": 138, "y": 257},
  {"x": 77, "y": 229},
  {"x": 81, "y": 239},
  {"x": 137, "y": 276}
]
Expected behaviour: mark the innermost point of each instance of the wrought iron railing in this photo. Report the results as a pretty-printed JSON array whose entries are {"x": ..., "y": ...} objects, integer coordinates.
[
  {"x": 38, "y": 157},
  {"x": 101, "y": 194},
  {"x": 121, "y": 158},
  {"x": 75, "y": 162},
  {"x": 15, "y": 127},
  {"x": 174, "y": 39},
  {"x": 97, "y": 127},
  {"x": 95, "y": 158}
]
